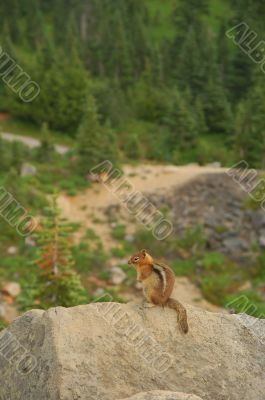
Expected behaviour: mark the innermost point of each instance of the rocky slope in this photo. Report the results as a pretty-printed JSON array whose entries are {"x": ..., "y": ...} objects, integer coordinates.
[
  {"x": 218, "y": 204},
  {"x": 110, "y": 351}
]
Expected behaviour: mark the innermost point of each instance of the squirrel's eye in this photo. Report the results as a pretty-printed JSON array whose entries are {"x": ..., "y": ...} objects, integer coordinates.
[{"x": 136, "y": 258}]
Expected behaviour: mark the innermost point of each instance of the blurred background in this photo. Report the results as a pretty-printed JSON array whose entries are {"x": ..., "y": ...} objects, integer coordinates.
[{"x": 172, "y": 93}]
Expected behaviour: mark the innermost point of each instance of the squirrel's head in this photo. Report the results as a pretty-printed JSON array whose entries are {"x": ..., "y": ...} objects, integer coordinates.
[{"x": 141, "y": 258}]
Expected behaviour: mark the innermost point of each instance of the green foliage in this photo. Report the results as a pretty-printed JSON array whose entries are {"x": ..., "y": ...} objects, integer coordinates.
[
  {"x": 3, "y": 324},
  {"x": 212, "y": 260},
  {"x": 214, "y": 288},
  {"x": 88, "y": 258},
  {"x": 53, "y": 106},
  {"x": 118, "y": 232},
  {"x": 251, "y": 303},
  {"x": 169, "y": 69},
  {"x": 59, "y": 284},
  {"x": 145, "y": 239},
  {"x": 183, "y": 267},
  {"x": 194, "y": 238},
  {"x": 250, "y": 128},
  {"x": 119, "y": 252},
  {"x": 95, "y": 143},
  {"x": 45, "y": 153}
]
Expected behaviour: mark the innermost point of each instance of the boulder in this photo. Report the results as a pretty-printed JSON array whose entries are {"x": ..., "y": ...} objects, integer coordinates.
[
  {"x": 163, "y": 395},
  {"x": 111, "y": 351}
]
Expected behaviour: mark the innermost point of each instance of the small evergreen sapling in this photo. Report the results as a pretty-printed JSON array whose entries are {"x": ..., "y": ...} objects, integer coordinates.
[{"x": 59, "y": 283}]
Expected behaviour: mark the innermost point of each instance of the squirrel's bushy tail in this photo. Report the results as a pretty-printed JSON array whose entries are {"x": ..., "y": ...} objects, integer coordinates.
[{"x": 182, "y": 314}]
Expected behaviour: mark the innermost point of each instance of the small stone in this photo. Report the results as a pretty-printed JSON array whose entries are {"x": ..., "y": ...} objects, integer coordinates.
[
  {"x": 12, "y": 250},
  {"x": 129, "y": 238},
  {"x": 215, "y": 164},
  {"x": 99, "y": 292},
  {"x": 258, "y": 219},
  {"x": 235, "y": 244},
  {"x": 246, "y": 286},
  {"x": 262, "y": 241},
  {"x": 117, "y": 275},
  {"x": 12, "y": 289},
  {"x": 28, "y": 170},
  {"x": 29, "y": 241}
]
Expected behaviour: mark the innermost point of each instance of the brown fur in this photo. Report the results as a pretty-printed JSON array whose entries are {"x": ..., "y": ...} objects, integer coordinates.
[{"x": 153, "y": 285}]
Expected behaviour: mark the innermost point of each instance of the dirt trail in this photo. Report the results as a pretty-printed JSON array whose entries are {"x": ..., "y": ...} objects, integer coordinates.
[
  {"x": 31, "y": 142},
  {"x": 87, "y": 208}
]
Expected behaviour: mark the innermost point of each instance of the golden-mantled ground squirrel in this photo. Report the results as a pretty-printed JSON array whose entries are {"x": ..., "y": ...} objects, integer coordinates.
[{"x": 158, "y": 282}]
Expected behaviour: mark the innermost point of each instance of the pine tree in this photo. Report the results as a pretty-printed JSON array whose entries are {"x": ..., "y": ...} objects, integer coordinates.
[
  {"x": 201, "y": 126},
  {"x": 46, "y": 150},
  {"x": 250, "y": 128},
  {"x": 95, "y": 143},
  {"x": 182, "y": 123},
  {"x": 59, "y": 284},
  {"x": 216, "y": 105},
  {"x": 5, "y": 156},
  {"x": 17, "y": 155},
  {"x": 189, "y": 67},
  {"x": 90, "y": 137}
]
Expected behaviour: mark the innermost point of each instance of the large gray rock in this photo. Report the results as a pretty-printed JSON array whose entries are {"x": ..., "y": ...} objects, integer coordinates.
[
  {"x": 163, "y": 395},
  {"x": 110, "y": 351}
]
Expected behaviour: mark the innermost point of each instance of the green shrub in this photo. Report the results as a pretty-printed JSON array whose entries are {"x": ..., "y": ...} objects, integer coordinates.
[
  {"x": 212, "y": 261},
  {"x": 118, "y": 252},
  {"x": 194, "y": 238},
  {"x": 183, "y": 267},
  {"x": 3, "y": 324},
  {"x": 249, "y": 302},
  {"x": 119, "y": 232},
  {"x": 216, "y": 287}
]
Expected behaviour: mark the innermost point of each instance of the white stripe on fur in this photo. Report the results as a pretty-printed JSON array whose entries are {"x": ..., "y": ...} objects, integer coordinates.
[{"x": 162, "y": 273}]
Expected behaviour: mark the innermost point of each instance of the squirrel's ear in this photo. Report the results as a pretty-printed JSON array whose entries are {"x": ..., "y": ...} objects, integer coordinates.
[{"x": 143, "y": 252}]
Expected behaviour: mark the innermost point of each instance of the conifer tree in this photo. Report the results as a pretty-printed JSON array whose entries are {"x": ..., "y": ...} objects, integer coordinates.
[
  {"x": 182, "y": 123},
  {"x": 250, "y": 128},
  {"x": 59, "y": 284},
  {"x": 95, "y": 143},
  {"x": 216, "y": 105},
  {"x": 46, "y": 150},
  {"x": 17, "y": 154},
  {"x": 201, "y": 126},
  {"x": 5, "y": 157},
  {"x": 90, "y": 137}
]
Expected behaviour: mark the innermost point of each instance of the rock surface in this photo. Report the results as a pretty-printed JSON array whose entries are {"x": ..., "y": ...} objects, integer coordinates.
[
  {"x": 163, "y": 395},
  {"x": 110, "y": 351}
]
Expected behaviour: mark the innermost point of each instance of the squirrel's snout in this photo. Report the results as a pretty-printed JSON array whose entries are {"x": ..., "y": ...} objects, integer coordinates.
[{"x": 129, "y": 261}]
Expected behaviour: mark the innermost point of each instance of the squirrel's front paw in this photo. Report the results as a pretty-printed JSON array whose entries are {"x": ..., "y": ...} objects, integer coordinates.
[{"x": 148, "y": 305}]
